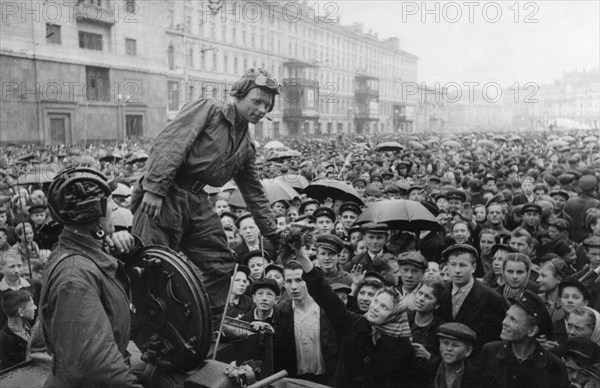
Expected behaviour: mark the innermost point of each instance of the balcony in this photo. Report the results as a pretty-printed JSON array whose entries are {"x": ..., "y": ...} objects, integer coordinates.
[{"x": 91, "y": 13}]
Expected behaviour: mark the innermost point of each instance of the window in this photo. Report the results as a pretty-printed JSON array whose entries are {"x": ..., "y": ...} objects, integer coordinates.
[
  {"x": 53, "y": 33},
  {"x": 171, "y": 57},
  {"x": 190, "y": 92},
  {"x": 190, "y": 58},
  {"x": 173, "y": 88},
  {"x": 97, "y": 85},
  {"x": 134, "y": 126},
  {"x": 130, "y": 47},
  {"x": 225, "y": 64},
  {"x": 90, "y": 41}
]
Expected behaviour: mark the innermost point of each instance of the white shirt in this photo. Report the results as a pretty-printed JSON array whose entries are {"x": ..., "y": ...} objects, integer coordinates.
[
  {"x": 307, "y": 335},
  {"x": 459, "y": 295},
  {"x": 5, "y": 286}
]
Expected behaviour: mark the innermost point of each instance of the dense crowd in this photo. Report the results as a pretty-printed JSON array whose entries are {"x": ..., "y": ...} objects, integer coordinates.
[{"x": 501, "y": 290}]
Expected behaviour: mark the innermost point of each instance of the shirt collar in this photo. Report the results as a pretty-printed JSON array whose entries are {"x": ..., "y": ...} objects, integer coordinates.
[
  {"x": 5, "y": 286},
  {"x": 466, "y": 287},
  {"x": 256, "y": 318}
]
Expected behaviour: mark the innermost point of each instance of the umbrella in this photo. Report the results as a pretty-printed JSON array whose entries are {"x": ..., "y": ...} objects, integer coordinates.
[
  {"x": 431, "y": 142},
  {"x": 486, "y": 143},
  {"x": 390, "y": 146},
  {"x": 590, "y": 139},
  {"x": 330, "y": 188},
  {"x": 415, "y": 144},
  {"x": 413, "y": 138},
  {"x": 516, "y": 138},
  {"x": 137, "y": 157},
  {"x": 277, "y": 190},
  {"x": 400, "y": 214},
  {"x": 568, "y": 139},
  {"x": 279, "y": 156},
  {"x": 298, "y": 182},
  {"x": 111, "y": 157},
  {"x": 27, "y": 157},
  {"x": 499, "y": 138},
  {"x": 452, "y": 143},
  {"x": 361, "y": 146},
  {"x": 557, "y": 143},
  {"x": 274, "y": 145},
  {"x": 85, "y": 160}
]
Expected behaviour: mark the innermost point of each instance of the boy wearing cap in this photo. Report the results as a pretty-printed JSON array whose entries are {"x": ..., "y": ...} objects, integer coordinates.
[
  {"x": 455, "y": 370},
  {"x": 591, "y": 272},
  {"x": 329, "y": 247},
  {"x": 208, "y": 143},
  {"x": 349, "y": 212},
  {"x": 265, "y": 295},
  {"x": 376, "y": 238},
  {"x": 412, "y": 269},
  {"x": 324, "y": 219},
  {"x": 519, "y": 360}
]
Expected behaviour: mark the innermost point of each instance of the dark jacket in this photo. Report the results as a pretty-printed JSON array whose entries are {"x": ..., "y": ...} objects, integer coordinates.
[
  {"x": 469, "y": 377},
  {"x": 388, "y": 363},
  {"x": 363, "y": 259},
  {"x": 12, "y": 348},
  {"x": 576, "y": 208},
  {"x": 241, "y": 249},
  {"x": 483, "y": 310},
  {"x": 207, "y": 144},
  {"x": 284, "y": 344},
  {"x": 85, "y": 314},
  {"x": 499, "y": 368}
]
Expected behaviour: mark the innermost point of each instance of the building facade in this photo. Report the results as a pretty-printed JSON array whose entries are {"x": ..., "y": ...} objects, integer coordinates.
[{"x": 106, "y": 69}]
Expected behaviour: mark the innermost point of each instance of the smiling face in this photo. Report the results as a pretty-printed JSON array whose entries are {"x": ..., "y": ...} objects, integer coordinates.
[
  {"x": 516, "y": 326},
  {"x": 364, "y": 297},
  {"x": 461, "y": 233},
  {"x": 328, "y": 259},
  {"x": 380, "y": 308},
  {"x": 454, "y": 351},
  {"x": 255, "y": 105},
  {"x": 547, "y": 280},
  {"x": 486, "y": 242}
]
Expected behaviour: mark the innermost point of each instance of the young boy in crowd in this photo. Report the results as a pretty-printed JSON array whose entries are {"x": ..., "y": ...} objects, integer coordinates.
[
  {"x": 265, "y": 295},
  {"x": 456, "y": 344},
  {"x": 12, "y": 271},
  {"x": 19, "y": 307}
]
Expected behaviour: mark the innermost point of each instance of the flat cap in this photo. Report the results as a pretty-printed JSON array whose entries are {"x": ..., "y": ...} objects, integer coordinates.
[
  {"x": 391, "y": 189},
  {"x": 241, "y": 218},
  {"x": 503, "y": 247},
  {"x": 324, "y": 211},
  {"x": 531, "y": 207},
  {"x": 373, "y": 192},
  {"x": 339, "y": 287},
  {"x": 265, "y": 283},
  {"x": 273, "y": 267},
  {"x": 583, "y": 347},
  {"x": 456, "y": 194},
  {"x": 330, "y": 241},
  {"x": 244, "y": 269},
  {"x": 349, "y": 206},
  {"x": 534, "y": 306},
  {"x": 435, "y": 179},
  {"x": 387, "y": 175},
  {"x": 459, "y": 248},
  {"x": 498, "y": 198},
  {"x": 588, "y": 183},
  {"x": 376, "y": 178},
  {"x": 415, "y": 187},
  {"x": 307, "y": 202},
  {"x": 439, "y": 195},
  {"x": 37, "y": 209},
  {"x": 414, "y": 258},
  {"x": 575, "y": 283},
  {"x": 359, "y": 181},
  {"x": 560, "y": 192},
  {"x": 245, "y": 258},
  {"x": 374, "y": 227},
  {"x": 457, "y": 331},
  {"x": 565, "y": 179},
  {"x": 591, "y": 242}
]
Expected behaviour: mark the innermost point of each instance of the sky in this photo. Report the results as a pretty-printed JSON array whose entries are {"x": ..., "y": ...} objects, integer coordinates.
[{"x": 483, "y": 41}]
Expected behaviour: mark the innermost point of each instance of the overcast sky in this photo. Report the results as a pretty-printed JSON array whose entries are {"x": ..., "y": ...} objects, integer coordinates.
[{"x": 561, "y": 35}]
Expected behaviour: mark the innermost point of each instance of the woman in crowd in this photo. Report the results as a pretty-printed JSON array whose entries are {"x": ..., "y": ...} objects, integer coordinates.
[
  {"x": 365, "y": 292},
  {"x": 487, "y": 239},
  {"x": 516, "y": 269},
  {"x": 584, "y": 322},
  {"x": 551, "y": 274},
  {"x": 240, "y": 303},
  {"x": 423, "y": 322}
]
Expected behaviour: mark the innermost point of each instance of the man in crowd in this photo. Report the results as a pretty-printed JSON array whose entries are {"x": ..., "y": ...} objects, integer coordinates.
[
  {"x": 376, "y": 238},
  {"x": 329, "y": 247}
]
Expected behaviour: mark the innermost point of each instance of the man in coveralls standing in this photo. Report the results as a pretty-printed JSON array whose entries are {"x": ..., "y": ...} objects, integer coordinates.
[{"x": 208, "y": 143}]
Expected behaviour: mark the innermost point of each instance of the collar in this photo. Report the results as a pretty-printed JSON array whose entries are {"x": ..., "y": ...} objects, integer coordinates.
[
  {"x": 256, "y": 318},
  {"x": 230, "y": 113},
  {"x": 312, "y": 307},
  {"x": 5, "y": 286},
  {"x": 468, "y": 286},
  {"x": 538, "y": 357},
  {"x": 73, "y": 239}
]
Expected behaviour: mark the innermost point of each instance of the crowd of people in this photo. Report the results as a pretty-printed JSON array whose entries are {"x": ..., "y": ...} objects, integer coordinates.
[{"x": 503, "y": 292}]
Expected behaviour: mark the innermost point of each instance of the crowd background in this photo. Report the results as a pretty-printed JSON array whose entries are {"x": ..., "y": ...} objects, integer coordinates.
[{"x": 532, "y": 197}]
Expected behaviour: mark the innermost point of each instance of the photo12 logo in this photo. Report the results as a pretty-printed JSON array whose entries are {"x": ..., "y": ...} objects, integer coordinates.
[{"x": 471, "y": 11}]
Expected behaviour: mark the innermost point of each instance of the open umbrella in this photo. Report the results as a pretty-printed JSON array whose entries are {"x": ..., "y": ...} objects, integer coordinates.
[
  {"x": 85, "y": 160},
  {"x": 516, "y": 138},
  {"x": 279, "y": 156},
  {"x": 390, "y": 146},
  {"x": 499, "y": 138},
  {"x": 334, "y": 189},
  {"x": 111, "y": 157},
  {"x": 137, "y": 157},
  {"x": 413, "y": 138},
  {"x": 451, "y": 144},
  {"x": 416, "y": 145},
  {"x": 26, "y": 158},
  {"x": 274, "y": 145},
  {"x": 361, "y": 146},
  {"x": 400, "y": 214},
  {"x": 590, "y": 139},
  {"x": 486, "y": 143},
  {"x": 277, "y": 190},
  {"x": 557, "y": 143},
  {"x": 568, "y": 139},
  {"x": 298, "y": 182}
]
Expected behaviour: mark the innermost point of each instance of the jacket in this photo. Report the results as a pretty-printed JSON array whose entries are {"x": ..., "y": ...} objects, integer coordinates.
[
  {"x": 85, "y": 315},
  {"x": 483, "y": 310},
  {"x": 206, "y": 144},
  {"x": 388, "y": 363},
  {"x": 576, "y": 208},
  {"x": 284, "y": 345},
  {"x": 13, "y": 348},
  {"x": 499, "y": 368}
]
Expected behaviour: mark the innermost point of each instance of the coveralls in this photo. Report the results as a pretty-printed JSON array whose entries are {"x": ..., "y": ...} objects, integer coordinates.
[{"x": 206, "y": 144}]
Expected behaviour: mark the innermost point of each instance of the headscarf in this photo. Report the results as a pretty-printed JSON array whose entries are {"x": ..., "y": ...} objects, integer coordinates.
[
  {"x": 596, "y": 333},
  {"x": 395, "y": 325},
  {"x": 512, "y": 293}
]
